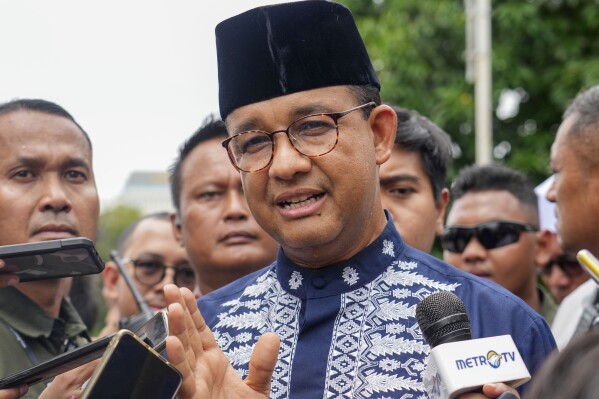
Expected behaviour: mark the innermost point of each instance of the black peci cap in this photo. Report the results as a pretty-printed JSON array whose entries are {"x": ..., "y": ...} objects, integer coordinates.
[{"x": 286, "y": 48}]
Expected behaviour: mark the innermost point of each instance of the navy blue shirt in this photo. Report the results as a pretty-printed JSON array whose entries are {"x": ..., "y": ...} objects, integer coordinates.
[{"x": 349, "y": 330}]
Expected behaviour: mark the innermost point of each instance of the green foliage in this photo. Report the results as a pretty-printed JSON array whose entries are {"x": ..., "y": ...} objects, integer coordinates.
[
  {"x": 112, "y": 223},
  {"x": 545, "y": 48}
]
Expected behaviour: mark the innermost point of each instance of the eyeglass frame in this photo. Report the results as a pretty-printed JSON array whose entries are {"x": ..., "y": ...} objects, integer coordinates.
[
  {"x": 176, "y": 268},
  {"x": 335, "y": 116},
  {"x": 560, "y": 262},
  {"x": 518, "y": 226}
]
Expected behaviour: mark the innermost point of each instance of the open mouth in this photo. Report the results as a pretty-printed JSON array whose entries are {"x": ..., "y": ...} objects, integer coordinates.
[{"x": 300, "y": 202}]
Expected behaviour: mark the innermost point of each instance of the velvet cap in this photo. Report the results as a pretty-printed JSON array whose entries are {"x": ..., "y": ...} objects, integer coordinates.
[{"x": 286, "y": 48}]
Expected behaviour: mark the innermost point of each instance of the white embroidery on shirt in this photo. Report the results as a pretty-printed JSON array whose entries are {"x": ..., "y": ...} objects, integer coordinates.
[
  {"x": 388, "y": 248},
  {"x": 376, "y": 349},
  {"x": 350, "y": 275},
  {"x": 295, "y": 280}
]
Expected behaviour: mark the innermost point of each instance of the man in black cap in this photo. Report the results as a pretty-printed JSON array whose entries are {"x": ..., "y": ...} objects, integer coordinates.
[{"x": 307, "y": 132}]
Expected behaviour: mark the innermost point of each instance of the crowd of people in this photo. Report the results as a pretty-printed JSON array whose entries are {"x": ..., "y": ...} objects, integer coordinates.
[{"x": 304, "y": 220}]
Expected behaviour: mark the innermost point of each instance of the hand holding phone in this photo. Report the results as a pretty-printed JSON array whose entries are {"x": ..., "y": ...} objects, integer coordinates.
[
  {"x": 154, "y": 333},
  {"x": 131, "y": 369},
  {"x": 50, "y": 259},
  {"x": 8, "y": 278}
]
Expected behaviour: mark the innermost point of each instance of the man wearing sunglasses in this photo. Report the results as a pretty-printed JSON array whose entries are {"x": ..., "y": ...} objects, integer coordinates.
[
  {"x": 308, "y": 134},
  {"x": 492, "y": 232},
  {"x": 153, "y": 258}
]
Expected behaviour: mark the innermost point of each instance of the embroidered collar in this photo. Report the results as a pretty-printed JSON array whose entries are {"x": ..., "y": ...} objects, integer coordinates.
[{"x": 342, "y": 277}]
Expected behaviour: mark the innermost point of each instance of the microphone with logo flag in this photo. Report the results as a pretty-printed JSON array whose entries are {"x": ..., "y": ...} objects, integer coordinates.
[{"x": 457, "y": 363}]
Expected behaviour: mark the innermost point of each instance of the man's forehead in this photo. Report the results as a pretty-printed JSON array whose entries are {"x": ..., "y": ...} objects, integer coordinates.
[
  {"x": 286, "y": 109},
  {"x": 28, "y": 125}
]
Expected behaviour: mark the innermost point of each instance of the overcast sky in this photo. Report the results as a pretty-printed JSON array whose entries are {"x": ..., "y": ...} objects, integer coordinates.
[{"x": 138, "y": 75}]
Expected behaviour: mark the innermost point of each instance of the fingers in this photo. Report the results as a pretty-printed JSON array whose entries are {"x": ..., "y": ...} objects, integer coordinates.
[
  {"x": 70, "y": 383},
  {"x": 8, "y": 279},
  {"x": 196, "y": 323},
  {"x": 177, "y": 357},
  {"x": 177, "y": 327},
  {"x": 262, "y": 363},
  {"x": 496, "y": 391},
  {"x": 13, "y": 393}
]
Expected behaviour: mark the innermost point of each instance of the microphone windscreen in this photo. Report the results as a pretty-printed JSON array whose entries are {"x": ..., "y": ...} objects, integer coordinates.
[{"x": 442, "y": 318}]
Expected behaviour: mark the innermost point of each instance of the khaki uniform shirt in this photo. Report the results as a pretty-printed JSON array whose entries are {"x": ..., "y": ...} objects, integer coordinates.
[
  {"x": 548, "y": 304},
  {"x": 43, "y": 337}
]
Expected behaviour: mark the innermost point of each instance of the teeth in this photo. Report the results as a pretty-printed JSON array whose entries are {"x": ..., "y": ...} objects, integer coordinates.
[{"x": 299, "y": 203}]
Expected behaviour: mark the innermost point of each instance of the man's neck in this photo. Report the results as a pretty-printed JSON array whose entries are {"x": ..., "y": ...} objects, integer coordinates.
[
  {"x": 47, "y": 294},
  {"x": 214, "y": 281},
  {"x": 532, "y": 297}
]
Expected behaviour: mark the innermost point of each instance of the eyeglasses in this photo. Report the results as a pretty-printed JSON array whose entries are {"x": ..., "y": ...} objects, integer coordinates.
[
  {"x": 150, "y": 272},
  {"x": 570, "y": 267},
  {"x": 312, "y": 135},
  {"x": 491, "y": 235}
]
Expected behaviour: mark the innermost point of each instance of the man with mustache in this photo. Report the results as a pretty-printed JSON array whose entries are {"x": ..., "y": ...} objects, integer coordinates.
[
  {"x": 47, "y": 191},
  {"x": 308, "y": 133},
  {"x": 212, "y": 220},
  {"x": 153, "y": 258}
]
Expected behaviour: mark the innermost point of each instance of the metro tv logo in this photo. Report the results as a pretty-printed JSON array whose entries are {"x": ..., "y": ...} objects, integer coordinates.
[{"x": 493, "y": 359}]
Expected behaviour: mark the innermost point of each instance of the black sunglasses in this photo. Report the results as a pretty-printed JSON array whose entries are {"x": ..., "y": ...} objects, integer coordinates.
[
  {"x": 570, "y": 267},
  {"x": 491, "y": 235}
]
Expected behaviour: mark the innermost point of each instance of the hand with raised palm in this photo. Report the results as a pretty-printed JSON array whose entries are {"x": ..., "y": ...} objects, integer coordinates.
[{"x": 206, "y": 371}]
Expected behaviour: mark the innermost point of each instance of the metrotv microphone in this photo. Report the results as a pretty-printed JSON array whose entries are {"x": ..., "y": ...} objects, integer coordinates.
[{"x": 457, "y": 363}]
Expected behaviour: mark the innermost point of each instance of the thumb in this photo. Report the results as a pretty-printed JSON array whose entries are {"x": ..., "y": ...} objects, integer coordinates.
[{"x": 262, "y": 363}]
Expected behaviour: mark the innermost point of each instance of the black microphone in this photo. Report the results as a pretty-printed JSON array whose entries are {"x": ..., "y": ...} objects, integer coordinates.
[
  {"x": 457, "y": 363},
  {"x": 442, "y": 318},
  {"x": 145, "y": 313}
]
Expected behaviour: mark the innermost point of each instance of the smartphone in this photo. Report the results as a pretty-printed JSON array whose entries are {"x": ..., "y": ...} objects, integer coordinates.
[
  {"x": 589, "y": 263},
  {"x": 153, "y": 333},
  {"x": 131, "y": 369},
  {"x": 51, "y": 259}
]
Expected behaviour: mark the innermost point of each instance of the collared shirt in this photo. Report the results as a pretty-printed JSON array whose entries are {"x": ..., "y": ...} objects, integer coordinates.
[
  {"x": 548, "y": 304},
  {"x": 42, "y": 335},
  {"x": 349, "y": 330}
]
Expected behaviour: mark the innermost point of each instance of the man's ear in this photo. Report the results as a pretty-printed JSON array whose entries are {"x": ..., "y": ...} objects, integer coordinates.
[
  {"x": 111, "y": 277},
  {"x": 176, "y": 224},
  {"x": 383, "y": 122},
  {"x": 543, "y": 251},
  {"x": 441, "y": 208}
]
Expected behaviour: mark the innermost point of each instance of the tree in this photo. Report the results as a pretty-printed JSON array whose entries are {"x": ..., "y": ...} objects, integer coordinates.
[
  {"x": 112, "y": 223},
  {"x": 543, "y": 50}
]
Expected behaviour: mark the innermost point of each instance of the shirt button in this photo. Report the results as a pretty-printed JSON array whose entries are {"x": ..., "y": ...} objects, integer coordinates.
[{"x": 319, "y": 282}]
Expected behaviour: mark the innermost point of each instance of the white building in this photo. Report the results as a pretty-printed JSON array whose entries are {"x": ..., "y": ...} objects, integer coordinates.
[{"x": 148, "y": 191}]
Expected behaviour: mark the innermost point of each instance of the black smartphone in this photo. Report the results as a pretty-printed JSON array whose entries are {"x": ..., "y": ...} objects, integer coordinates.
[
  {"x": 153, "y": 333},
  {"x": 51, "y": 259},
  {"x": 131, "y": 369}
]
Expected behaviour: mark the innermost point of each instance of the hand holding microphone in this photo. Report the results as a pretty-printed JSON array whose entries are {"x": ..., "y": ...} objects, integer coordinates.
[{"x": 457, "y": 363}]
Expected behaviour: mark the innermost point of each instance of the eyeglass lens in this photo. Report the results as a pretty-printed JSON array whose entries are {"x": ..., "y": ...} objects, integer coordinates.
[
  {"x": 152, "y": 272},
  {"x": 312, "y": 135},
  {"x": 570, "y": 267},
  {"x": 490, "y": 235}
]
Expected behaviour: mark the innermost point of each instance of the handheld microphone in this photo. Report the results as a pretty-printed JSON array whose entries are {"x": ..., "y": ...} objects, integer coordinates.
[
  {"x": 457, "y": 363},
  {"x": 590, "y": 314},
  {"x": 145, "y": 313},
  {"x": 589, "y": 263}
]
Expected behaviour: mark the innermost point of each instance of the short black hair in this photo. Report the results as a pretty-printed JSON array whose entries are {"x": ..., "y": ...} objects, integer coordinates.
[
  {"x": 211, "y": 128},
  {"x": 415, "y": 133},
  {"x": 123, "y": 241},
  {"x": 39, "y": 105},
  {"x": 495, "y": 177},
  {"x": 585, "y": 108}
]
